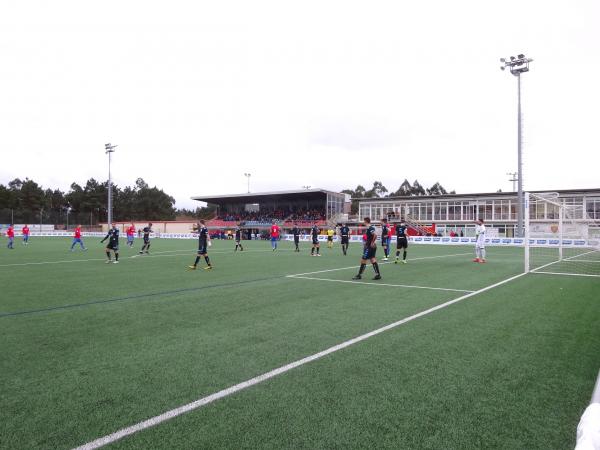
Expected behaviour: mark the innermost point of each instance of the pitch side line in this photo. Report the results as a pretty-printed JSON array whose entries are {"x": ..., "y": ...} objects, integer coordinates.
[
  {"x": 153, "y": 421},
  {"x": 568, "y": 274},
  {"x": 124, "y": 257},
  {"x": 381, "y": 264},
  {"x": 380, "y": 284}
]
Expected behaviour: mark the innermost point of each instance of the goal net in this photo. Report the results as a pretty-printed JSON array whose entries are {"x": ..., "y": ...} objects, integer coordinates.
[{"x": 560, "y": 238}]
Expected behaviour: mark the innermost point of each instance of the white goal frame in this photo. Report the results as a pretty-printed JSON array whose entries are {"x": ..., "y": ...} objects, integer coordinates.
[{"x": 554, "y": 248}]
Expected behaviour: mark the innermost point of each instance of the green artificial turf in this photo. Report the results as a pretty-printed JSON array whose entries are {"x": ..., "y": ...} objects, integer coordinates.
[{"x": 87, "y": 348}]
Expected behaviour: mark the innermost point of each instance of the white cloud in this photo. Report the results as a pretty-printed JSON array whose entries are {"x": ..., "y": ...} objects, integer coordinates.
[{"x": 326, "y": 93}]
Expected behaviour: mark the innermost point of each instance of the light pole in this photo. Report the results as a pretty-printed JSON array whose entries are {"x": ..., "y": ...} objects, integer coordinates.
[
  {"x": 513, "y": 178},
  {"x": 306, "y": 187},
  {"x": 517, "y": 66},
  {"x": 68, "y": 211},
  {"x": 248, "y": 175},
  {"x": 109, "y": 148}
]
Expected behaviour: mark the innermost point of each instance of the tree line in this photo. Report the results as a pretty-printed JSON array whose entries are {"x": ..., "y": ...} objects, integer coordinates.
[
  {"x": 406, "y": 189},
  {"x": 25, "y": 201}
]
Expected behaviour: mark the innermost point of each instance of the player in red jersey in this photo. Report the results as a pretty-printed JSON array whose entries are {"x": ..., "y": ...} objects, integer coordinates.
[
  {"x": 77, "y": 239},
  {"x": 25, "y": 232},
  {"x": 275, "y": 234},
  {"x": 10, "y": 234},
  {"x": 130, "y": 235}
]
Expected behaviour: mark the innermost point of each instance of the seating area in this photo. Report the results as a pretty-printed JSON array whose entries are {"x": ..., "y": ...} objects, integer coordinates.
[{"x": 303, "y": 217}]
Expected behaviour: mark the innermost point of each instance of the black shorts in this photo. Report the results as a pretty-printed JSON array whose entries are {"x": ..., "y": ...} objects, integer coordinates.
[
  {"x": 345, "y": 239},
  {"x": 330, "y": 238},
  {"x": 296, "y": 239},
  {"x": 315, "y": 241},
  {"x": 237, "y": 241},
  {"x": 402, "y": 242},
  {"x": 369, "y": 252},
  {"x": 113, "y": 246},
  {"x": 146, "y": 240},
  {"x": 202, "y": 249}
]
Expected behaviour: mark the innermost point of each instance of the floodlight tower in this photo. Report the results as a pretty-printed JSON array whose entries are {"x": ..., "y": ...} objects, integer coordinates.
[
  {"x": 513, "y": 178},
  {"x": 248, "y": 175},
  {"x": 517, "y": 66},
  {"x": 109, "y": 149}
]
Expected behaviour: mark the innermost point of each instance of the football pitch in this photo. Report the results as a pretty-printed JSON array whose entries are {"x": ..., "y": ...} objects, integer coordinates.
[{"x": 441, "y": 353}]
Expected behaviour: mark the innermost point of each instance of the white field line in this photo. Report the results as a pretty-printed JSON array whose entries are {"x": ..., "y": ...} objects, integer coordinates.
[
  {"x": 582, "y": 261},
  {"x": 570, "y": 259},
  {"x": 569, "y": 274},
  {"x": 381, "y": 264},
  {"x": 379, "y": 284},
  {"x": 122, "y": 256},
  {"x": 153, "y": 421}
]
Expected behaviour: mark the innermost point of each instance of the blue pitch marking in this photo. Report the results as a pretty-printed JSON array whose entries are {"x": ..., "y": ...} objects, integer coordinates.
[{"x": 135, "y": 297}]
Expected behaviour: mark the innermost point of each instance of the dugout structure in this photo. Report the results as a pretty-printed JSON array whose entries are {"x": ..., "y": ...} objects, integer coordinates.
[{"x": 263, "y": 204}]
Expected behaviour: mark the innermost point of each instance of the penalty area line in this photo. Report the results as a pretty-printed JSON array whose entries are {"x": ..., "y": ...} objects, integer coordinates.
[
  {"x": 380, "y": 263},
  {"x": 153, "y": 421},
  {"x": 410, "y": 286}
]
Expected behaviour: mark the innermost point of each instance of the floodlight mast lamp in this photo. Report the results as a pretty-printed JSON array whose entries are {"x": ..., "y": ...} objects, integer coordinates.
[
  {"x": 518, "y": 65},
  {"x": 248, "y": 175},
  {"x": 109, "y": 149},
  {"x": 513, "y": 178}
]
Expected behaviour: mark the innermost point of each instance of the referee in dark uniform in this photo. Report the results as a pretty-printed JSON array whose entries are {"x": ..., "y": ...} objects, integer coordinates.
[
  {"x": 345, "y": 235},
  {"x": 113, "y": 244},
  {"x": 203, "y": 244},
  {"x": 315, "y": 241},
  {"x": 146, "y": 247},
  {"x": 238, "y": 238},
  {"x": 296, "y": 234}
]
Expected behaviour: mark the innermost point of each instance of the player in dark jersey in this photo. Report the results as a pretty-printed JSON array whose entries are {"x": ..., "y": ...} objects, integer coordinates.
[
  {"x": 345, "y": 237},
  {"x": 146, "y": 247},
  {"x": 203, "y": 244},
  {"x": 296, "y": 234},
  {"x": 314, "y": 232},
  {"x": 401, "y": 241},
  {"x": 385, "y": 238},
  {"x": 369, "y": 251},
  {"x": 113, "y": 243},
  {"x": 238, "y": 238}
]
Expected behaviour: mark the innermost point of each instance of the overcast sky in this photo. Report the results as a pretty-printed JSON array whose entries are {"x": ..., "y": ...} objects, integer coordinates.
[{"x": 322, "y": 93}]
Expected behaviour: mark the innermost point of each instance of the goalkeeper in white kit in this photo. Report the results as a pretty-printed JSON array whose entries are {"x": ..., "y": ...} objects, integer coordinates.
[{"x": 480, "y": 243}]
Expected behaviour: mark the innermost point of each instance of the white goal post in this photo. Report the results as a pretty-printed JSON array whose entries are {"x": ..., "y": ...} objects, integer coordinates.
[{"x": 560, "y": 238}]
